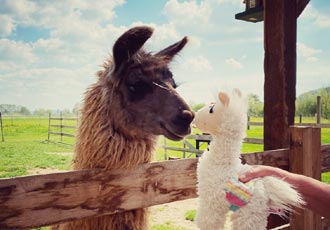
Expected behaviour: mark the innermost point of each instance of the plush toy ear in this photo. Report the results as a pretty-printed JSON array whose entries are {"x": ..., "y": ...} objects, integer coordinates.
[
  {"x": 224, "y": 99},
  {"x": 129, "y": 43},
  {"x": 237, "y": 92}
]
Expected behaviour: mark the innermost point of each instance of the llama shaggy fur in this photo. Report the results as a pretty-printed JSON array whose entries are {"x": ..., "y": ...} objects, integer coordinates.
[
  {"x": 133, "y": 101},
  {"x": 226, "y": 122}
]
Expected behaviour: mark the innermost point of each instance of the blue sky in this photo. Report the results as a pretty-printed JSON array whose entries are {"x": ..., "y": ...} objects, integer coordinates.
[{"x": 51, "y": 50}]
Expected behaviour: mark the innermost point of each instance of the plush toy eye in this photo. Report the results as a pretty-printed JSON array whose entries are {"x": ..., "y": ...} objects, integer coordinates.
[{"x": 211, "y": 108}]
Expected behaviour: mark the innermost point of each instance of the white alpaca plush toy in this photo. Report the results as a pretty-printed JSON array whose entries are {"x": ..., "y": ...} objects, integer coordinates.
[{"x": 220, "y": 192}]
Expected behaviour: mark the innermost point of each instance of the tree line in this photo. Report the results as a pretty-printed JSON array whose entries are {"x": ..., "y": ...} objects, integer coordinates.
[
  {"x": 11, "y": 109},
  {"x": 306, "y": 105}
]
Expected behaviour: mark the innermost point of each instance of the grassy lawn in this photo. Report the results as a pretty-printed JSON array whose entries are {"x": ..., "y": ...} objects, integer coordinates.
[{"x": 26, "y": 148}]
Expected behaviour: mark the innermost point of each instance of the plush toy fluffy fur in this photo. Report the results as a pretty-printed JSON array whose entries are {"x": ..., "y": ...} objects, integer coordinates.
[{"x": 226, "y": 122}]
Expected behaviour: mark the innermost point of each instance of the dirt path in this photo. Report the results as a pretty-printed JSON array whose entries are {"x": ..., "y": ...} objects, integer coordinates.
[{"x": 174, "y": 214}]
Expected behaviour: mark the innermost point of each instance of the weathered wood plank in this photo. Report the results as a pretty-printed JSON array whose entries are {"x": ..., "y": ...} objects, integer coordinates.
[
  {"x": 277, "y": 158},
  {"x": 43, "y": 200},
  {"x": 305, "y": 159}
]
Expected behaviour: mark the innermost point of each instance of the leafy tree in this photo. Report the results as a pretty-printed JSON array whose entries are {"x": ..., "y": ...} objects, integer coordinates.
[
  {"x": 24, "y": 111},
  {"x": 306, "y": 104},
  {"x": 256, "y": 107},
  {"x": 42, "y": 112},
  {"x": 325, "y": 102},
  {"x": 14, "y": 109}
]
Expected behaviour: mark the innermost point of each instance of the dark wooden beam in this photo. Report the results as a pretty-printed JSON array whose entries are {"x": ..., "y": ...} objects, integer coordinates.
[
  {"x": 301, "y": 4},
  {"x": 280, "y": 34}
]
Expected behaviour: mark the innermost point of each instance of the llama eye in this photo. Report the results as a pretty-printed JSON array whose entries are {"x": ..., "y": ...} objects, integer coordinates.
[{"x": 138, "y": 90}]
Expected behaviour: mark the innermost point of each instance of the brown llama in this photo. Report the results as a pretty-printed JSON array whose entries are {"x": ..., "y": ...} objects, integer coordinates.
[{"x": 133, "y": 102}]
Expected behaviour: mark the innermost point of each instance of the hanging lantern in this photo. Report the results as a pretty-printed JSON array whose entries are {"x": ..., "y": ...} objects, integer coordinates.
[{"x": 254, "y": 11}]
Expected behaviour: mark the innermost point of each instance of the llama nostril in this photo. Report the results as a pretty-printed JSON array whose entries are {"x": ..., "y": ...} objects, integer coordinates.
[
  {"x": 188, "y": 116},
  {"x": 184, "y": 118}
]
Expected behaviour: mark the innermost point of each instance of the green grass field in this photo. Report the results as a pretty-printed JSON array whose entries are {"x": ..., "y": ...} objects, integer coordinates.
[{"x": 26, "y": 146}]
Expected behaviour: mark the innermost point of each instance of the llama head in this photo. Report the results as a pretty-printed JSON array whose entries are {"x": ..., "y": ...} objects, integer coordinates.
[
  {"x": 143, "y": 88},
  {"x": 227, "y": 116}
]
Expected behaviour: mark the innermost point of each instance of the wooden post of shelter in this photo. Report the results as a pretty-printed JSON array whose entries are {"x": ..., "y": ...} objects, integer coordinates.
[
  {"x": 280, "y": 35},
  {"x": 305, "y": 159}
]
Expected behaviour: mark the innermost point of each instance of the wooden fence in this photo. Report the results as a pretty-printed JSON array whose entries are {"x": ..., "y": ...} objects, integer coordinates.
[
  {"x": 60, "y": 127},
  {"x": 300, "y": 123},
  {"x": 1, "y": 129},
  {"x": 188, "y": 148},
  {"x": 42, "y": 200}
]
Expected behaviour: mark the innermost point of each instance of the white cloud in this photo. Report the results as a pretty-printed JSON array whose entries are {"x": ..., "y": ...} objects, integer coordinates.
[
  {"x": 7, "y": 25},
  {"x": 21, "y": 10},
  {"x": 307, "y": 52},
  {"x": 234, "y": 63},
  {"x": 16, "y": 51},
  {"x": 188, "y": 13},
  {"x": 198, "y": 64},
  {"x": 319, "y": 19}
]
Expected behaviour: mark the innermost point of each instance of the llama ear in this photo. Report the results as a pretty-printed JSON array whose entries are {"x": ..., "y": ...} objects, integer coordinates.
[
  {"x": 168, "y": 53},
  {"x": 129, "y": 43},
  {"x": 237, "y": 92},
  {"x": 224, "y": 99}
]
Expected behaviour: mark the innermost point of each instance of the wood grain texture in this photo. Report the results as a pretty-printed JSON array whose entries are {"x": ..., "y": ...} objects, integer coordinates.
[
  {"x": 280, "y": 28},
  {"x": 43, "y": 200},
  {"x": 305, "y": 159}
]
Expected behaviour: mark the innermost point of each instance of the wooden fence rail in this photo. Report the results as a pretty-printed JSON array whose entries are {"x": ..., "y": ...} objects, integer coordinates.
[
  {"x": 60, "y": 127},
  {"x": 41, "y": 200}
]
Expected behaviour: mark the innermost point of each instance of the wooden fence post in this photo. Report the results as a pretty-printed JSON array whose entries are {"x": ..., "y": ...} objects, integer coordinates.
[
  {"x": 49, "y": 118},
  {"x": 318, "y": 112},
  {"x": 61, "y": 126},
  {"x": 2, "y": 135},
  {"x": 305, "y": 159}
]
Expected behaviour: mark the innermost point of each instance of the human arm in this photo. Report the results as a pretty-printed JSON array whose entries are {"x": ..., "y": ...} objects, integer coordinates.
[{"x": 315, "y": 193}]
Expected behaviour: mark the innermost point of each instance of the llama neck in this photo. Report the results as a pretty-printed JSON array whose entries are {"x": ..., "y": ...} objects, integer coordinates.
[{"x": 225, "y": 151}]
